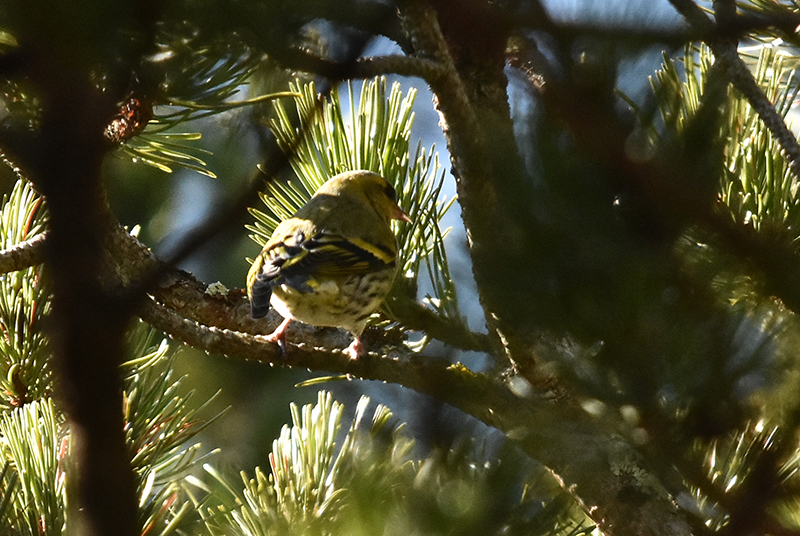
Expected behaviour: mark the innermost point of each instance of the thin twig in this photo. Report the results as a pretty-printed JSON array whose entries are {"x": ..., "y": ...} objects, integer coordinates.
[
  {"x": 724, "y": 50},
  {"x": 23, "y": 255},
  {"x": 369, "y": 67}
]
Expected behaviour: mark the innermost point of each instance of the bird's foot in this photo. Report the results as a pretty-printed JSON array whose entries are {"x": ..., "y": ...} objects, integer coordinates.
[
  {"x": 279, "y": 335},
  {"x": 355, "y": 350}
]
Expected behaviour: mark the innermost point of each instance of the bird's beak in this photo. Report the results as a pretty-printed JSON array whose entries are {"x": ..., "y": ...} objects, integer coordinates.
[{"x": 399, "y": 214}]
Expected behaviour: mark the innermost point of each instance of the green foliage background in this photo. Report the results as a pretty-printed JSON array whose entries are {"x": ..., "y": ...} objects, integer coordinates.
[{"x": 644, "y": 318}]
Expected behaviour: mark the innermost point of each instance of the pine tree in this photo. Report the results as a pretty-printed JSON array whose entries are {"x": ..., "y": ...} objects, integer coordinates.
[{"x": 631, "y": 240}]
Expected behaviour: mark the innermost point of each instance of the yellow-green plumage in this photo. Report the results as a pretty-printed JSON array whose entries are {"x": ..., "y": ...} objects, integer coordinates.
[{"x": 334, "y": 261}]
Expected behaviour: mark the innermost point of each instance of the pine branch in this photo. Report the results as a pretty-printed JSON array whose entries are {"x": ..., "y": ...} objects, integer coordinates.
[
  {"x": 23, "y": 255},
  {"x": 767, "y": 253},
  {"x": 134, "y": 266},
  {"x": 737, "y": 490},
  {"x": 604, "y": 137},
  {"x": 742, "y": 79},
  {"x": 318, "y": 483},
  {"x": 25, "y": 367},
  {"x": 32, "y": 437},
  {"x": 598, "y": 468}
]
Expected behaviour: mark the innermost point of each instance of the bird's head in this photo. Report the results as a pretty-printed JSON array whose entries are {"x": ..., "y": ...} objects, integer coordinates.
[{"x": 367, "y": 186}]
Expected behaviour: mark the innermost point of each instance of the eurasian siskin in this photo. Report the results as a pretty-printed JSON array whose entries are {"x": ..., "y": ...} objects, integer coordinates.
[{"x": 334, "y": 261}]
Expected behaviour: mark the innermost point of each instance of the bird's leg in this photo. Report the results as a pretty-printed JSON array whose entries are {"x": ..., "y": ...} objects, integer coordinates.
[
  {"x": 355, "y": 350},
  {"x": 279, "y": 335}
]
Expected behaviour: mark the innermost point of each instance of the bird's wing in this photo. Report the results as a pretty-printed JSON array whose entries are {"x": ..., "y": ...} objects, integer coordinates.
[
  {"x": 301, "y": 258},
  {"x": 299, "y": 261},
  {"x": 331, "y": 254}
]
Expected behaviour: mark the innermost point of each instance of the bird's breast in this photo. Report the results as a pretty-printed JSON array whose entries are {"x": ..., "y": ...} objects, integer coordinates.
[{"x": 345, "y": 302}]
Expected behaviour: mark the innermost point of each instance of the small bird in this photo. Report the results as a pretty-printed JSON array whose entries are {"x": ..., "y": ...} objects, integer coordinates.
[{"x": 334, "y": 261}]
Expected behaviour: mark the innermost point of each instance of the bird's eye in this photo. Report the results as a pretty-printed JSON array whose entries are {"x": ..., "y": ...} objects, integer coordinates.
[{"x": 390, "y": 193}]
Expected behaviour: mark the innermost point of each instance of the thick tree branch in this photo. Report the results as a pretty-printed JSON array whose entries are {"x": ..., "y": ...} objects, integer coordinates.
[
  {"x": 476, "y": 122},
  {"x": 86, "y": 328},
  {"x": 64, "y": 156},
  {"x": 496, "y": 201}
]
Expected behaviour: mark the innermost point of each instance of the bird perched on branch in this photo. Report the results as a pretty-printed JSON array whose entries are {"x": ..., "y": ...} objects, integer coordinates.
[{"x": 334, "y": 261}]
